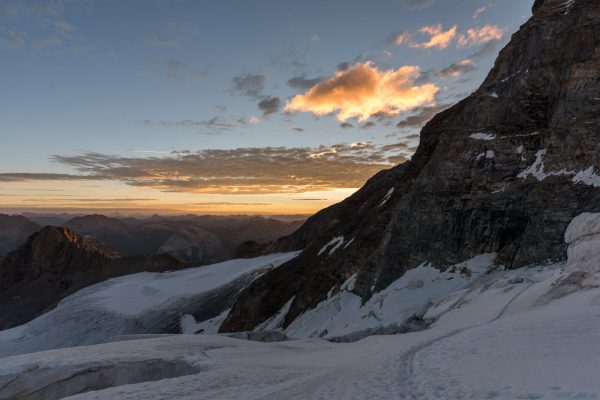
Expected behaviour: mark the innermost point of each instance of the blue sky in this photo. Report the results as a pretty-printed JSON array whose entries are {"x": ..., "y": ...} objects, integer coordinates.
[{"x": 141, "y": 79}]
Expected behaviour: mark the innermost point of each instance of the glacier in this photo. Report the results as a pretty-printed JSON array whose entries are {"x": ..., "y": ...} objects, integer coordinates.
[
  {"x": 491, "y": 334},
  {"x": 143, "y": 303}
]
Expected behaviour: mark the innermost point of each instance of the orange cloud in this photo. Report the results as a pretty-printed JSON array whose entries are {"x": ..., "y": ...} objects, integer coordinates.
[
  {"x": 439, "y": 38},
  {"x": 477, "y": 36},
  {"x": 363, "y": 91}
]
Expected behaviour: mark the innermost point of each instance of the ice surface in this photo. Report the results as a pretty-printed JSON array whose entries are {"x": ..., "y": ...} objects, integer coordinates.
[
  {"x": 139, "y": 303},
  {"x": 489, "y": 337},
  {"x": 333, "y": 245},
  {"x": 489, "y": 340}
]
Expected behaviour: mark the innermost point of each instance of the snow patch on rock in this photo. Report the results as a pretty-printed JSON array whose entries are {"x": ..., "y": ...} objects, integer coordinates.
[
  {"x": 349, "y": 243},
  {"x": 334, "y": 244},
  {"x": 587, "y": 177},
  {"x": 275, "y": 323},
  {"x": 343, "y": 314},
  {"x": 483, "y": 136},
  {"x": 189, "y": 326},
  {"x": 387, "y": 197},
  {"x": 537, "y": 169}
]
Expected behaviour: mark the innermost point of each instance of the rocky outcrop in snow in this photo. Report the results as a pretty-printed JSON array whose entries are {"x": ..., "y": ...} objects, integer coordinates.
[{"x": 583, "y": 238}]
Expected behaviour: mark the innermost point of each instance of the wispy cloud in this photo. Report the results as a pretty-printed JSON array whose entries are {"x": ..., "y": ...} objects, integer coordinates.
[
  {"x": 398, "y": 38},
  {"x": 212, "y": 126},
  {"x": 93, "y": 200},
  {"x": 63, "y": 26},
  {"x": 12, "y": 9},
  {"x": 11, "y": 39},
  {"x": 482, "y": 35},
  {"x": 161, "y": 42},
  {"x": 368, "y": 125},
  {"x": 423, "y": 115},
  {"x": 270, "y": 105},
  {"x": 439, "y": 38},
  {"x": 302, "y": 82},
  {"x": 41, "y": 176},
  {"x": 310, "y": 199},
  {"x": 180, "y": 71},
  {"x": 418, "y": 4},
  {"x": 486, "y": 50},
  {"x": 250, "y": 85},
  {"x": 481, "y": 10},
  {"x": 458, "y": 69},
  {"x": 363, "y": 91},
  {"x": 45, "y": 42}
]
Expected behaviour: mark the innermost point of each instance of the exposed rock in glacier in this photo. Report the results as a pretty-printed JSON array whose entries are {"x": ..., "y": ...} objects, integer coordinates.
[
  {"x": 583, "y": 238},
  {"x": 397, "y": 309}
]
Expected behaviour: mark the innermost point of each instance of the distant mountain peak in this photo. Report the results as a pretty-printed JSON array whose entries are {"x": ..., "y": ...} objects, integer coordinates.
[{"x": 54, "y": 263}]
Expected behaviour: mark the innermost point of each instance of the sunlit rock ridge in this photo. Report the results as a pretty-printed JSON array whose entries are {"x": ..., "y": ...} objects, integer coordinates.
[{"x": 503, "y": 171}]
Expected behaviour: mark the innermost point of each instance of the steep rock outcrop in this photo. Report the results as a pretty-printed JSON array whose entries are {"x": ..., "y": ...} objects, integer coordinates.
[
  {"x": 503, "y": 171},
  {"x": 56, "y": 262}
]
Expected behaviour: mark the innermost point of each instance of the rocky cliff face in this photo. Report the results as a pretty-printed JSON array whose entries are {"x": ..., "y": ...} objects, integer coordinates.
[
  {"x": 504, "y": 171},
  {"x": 56, "y": 262}
]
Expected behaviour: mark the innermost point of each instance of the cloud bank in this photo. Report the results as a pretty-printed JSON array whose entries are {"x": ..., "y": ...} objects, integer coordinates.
[
  {"x": 439, "y": 38},
  {"x": 269, "y": 170},
  {"x": 363, "y": 90},
  {"x": 483, "y": 35}
]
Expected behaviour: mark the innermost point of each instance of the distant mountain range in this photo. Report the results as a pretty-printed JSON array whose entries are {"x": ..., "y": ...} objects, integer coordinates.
[
  {"x": 41, "y": 266},
  {"x": 193, "y": 239},
  {"x": 56, "y": 262},
  {"x": 14, "y": 230}
]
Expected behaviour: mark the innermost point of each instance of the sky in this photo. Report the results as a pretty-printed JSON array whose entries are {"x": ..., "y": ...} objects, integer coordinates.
[{"x": 226, "y": 107}]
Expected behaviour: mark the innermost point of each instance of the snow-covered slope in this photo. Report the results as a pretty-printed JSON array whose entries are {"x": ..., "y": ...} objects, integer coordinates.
[
  {"x": 138, "y": 304},
  {"x": 398, "y": 308},
  {"x": 531, "y": 333},
  {"x": 489, "y": 341}
]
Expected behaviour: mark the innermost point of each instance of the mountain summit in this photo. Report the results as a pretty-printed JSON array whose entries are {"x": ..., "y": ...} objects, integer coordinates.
[{"x": 503, "y": 171}]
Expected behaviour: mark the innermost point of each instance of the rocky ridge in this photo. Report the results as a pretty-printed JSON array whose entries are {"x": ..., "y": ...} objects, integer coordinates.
[
  {"x": 503, "y": 171},
  {"x": 56, "y": 262}
]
